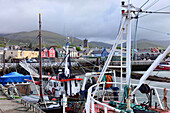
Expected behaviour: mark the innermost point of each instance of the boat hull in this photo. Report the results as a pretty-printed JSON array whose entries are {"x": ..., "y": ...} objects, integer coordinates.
[
  {"x": 163, "y": 67},
  {"x": 52, "y": 110}
]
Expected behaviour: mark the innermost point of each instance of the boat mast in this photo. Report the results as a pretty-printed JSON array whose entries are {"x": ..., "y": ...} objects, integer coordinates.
[
  {"x": 4, "y": 57},
  {"x": 41, "y": 95},
  {"x": 128, "y": 61},
  {"x": 67, "y": 52}
]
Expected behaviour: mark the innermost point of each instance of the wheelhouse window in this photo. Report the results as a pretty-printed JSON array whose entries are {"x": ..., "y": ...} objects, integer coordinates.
[{"x": 50, "y": 84}]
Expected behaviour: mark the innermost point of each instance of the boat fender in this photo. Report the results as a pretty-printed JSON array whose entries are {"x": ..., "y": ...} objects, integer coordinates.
[
  {"x": 93, "y": 80},
  {"x": 53, "y": 90},
  {"x": 115, "y": 93},
  {"x": 87, "y": 86},
  {"x": 145, "y": 89}
]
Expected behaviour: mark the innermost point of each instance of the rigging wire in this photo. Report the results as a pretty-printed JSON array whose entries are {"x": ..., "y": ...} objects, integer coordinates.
[
  {"x": 57, "y": 69},
  {"x": 151, "y": 4},
  {"x": 154, "y": 30},
  {"x": 155, "y": 11},
  {"x": 80, "y": 66},
  {"x": 53, "y": 72},
  {"x": 135, "y": 36},
  {"x": 89, "y": 62},
  {"x": 144, "y": 4}
]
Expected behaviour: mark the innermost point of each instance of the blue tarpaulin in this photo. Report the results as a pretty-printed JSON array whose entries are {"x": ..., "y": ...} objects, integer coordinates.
[{"x": 14, "y": 77}]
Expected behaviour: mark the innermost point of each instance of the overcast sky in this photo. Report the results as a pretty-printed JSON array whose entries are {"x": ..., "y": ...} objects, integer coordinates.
[{"x": 96, "y": 20}]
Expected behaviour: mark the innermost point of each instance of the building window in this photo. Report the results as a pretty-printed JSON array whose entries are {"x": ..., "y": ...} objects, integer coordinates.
[
  {"x": 50, "y": 84},
  {"x": 11, "y": 52}
]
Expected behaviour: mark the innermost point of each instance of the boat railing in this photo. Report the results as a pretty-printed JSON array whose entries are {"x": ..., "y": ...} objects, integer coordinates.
[{"x": 92, "y": 101}]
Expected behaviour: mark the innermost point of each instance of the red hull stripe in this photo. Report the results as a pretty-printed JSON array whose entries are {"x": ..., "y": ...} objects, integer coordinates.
[{"x": 65, "y": 80}]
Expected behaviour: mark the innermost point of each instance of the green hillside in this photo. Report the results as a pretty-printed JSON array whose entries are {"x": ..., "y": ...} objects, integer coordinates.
[
  {"x": 49, "y": 38},
  {"x": 101, "y": 43},
  {"x": 144, "y": 44}
]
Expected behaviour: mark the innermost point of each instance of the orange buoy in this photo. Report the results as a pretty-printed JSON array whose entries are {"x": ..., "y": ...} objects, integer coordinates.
[
  {"x": 108, "y": 79},
  {"x": 54, "y": 99},
  {"x": 48, "y": 73},
  {"x": 95, "y": 78}
]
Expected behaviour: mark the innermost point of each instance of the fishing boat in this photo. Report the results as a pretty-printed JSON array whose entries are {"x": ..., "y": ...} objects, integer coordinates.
[
  {"x": 64, "y": 87},
  {"x": 163, "y": 67},
  {"x": 124, "y": 96}
]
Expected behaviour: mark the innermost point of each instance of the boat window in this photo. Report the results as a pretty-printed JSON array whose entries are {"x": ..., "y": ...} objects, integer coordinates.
[
  {"x": 55, "y": 84},
  {"x": 50, "y": 84},
  {"x": 61, "y": 84},
  {"x": 75, "y": 83}
]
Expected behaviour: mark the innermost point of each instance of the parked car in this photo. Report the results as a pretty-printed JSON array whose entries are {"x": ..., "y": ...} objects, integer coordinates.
[{"x": 31, "y": 61}]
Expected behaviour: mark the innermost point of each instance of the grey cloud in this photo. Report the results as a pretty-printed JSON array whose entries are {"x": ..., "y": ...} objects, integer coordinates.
[{"x": 92, "y": 19}]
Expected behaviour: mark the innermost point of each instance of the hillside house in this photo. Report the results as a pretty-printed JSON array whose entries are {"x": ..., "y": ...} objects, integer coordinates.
[
  {"x": 87, "y": 51},
  {"x": 73, "y": 53},
  {"x": 19, "y": 54},
  {"x": 13, "y": 47},
  {"x": 99, "y": 53},
  {"x": 48, "y": 53},
  {"x": 1, "y": 56},
  {"x": 44, "y": 53},
  {"x": 80, "y": 53},
  {"x": 155, "y": 50},
  {"x": 51, "y": 53},
  {"x": 60, "y": 53}
]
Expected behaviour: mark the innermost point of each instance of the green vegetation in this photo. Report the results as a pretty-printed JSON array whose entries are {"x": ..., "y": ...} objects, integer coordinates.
[
  {"x": 78, "y": 48},
  {"x": 3, "y": 98},
  {"x": 59, "y": 46},
  {"x": 118, "y": 47},
  {"x": 43, "y": 45},
  {"x": 1, "y": 45}
]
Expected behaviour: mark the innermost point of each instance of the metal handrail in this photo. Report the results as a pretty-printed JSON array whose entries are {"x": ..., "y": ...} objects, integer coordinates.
[{"x": 90, "y": 100}]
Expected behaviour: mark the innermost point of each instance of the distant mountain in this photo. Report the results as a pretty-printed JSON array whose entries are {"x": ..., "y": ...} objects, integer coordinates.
[
  {"x": 51, "y": 38},
  {"x": 141, "y": 44},
  {"x": 48, "y": 38},
  {"x": 101, "y": 44},
  {"x": 165, "y": 42},
  {"x": 144, "y": 43}
]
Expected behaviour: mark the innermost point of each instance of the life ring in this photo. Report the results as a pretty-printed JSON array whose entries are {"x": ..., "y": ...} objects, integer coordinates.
[{"x": 53, "y": 90}]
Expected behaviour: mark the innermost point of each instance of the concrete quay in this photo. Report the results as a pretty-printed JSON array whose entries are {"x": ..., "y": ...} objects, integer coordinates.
[{"x": 11, "y": 106}]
